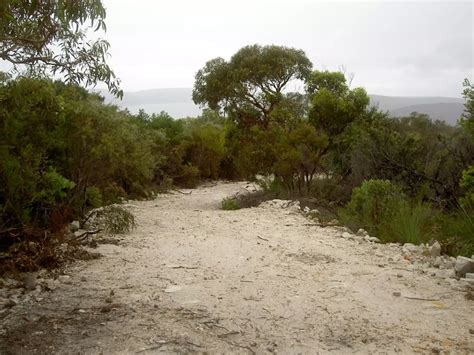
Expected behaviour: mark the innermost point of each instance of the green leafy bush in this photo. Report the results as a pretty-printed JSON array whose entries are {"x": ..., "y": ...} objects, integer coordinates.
[
  {"x": 413, "y": 224},
  {"x": 383, "y": 210},
  {"x": 230, "y": 204},
  {"x": 372, "y": 206},
  {"x": 457, "y": 231},
  {"x": 467, "y": 183}
]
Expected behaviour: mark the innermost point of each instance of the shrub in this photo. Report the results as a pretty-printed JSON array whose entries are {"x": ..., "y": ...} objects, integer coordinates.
[
  {"x": 412, "y": 224},
  {"x": 230, "y": 204},
  {"x": 458, "y": 232},
  {"x": 112, "y": 219},
  {"x": 372, "y": 206},
  {"x": 467, "y": 183}
]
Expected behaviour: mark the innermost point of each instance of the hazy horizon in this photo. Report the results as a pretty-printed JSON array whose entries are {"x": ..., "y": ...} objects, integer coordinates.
[{"x": 393, "y": 48}]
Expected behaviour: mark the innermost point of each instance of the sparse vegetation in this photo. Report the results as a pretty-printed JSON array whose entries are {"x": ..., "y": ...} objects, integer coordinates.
[
  {"x": 112, "y": 219},
  {"x": 230, "y": 204}
]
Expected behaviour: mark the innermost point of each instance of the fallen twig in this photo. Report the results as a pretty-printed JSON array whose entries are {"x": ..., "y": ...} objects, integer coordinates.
[
  {"x": 259, "y": 237},
  {"x": 227, "y": 334},
  {"x": 182, "y": 267},
  {"x": 289, "y": 276},
  {"x": 421, "y": 298},
  {"x": 182, "y": 192},
  {"x": 240, "y": 346},
  {"x": 86, "y": 234}
]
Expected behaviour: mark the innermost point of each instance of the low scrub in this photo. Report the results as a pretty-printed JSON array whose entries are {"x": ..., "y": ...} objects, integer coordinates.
[
  {"x": 383, "y": 210},
  {"x": 230, "y": 204},
  {"x": 113, "y": 219},
  {"x": 457, "y": 231}
]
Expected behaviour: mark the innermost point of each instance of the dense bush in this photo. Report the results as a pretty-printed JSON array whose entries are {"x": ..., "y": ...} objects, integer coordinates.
[
  {"x": 64, "y": 152},
  {"x": 383, "y": 210}
]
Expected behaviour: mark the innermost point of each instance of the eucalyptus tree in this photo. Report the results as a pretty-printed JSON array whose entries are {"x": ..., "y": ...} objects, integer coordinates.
[
  {"x": 252, "y": 84},
  {"x": 50, "y": 37}
]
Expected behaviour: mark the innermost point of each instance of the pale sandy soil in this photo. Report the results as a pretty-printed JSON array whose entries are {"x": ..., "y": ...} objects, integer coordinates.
[{"x": 196, "y": 279}]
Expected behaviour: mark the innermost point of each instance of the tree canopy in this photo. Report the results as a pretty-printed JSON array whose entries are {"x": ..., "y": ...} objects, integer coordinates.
[
  {"x": 49, "y": 37},
  {"x": 251, "y": 84}
]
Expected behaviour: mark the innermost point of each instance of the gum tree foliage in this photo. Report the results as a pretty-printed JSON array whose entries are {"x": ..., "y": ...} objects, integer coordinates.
[
  {"x": 467, "y": 122},
  {"x": 467, "y": 119},
  {"x": 49, "y": 37},
  {"x": 250, "y": 86},
  {"x": 63, "y": 150},
  {"x": 334, "y": 106},
  {"x": 426, "y": 158}
]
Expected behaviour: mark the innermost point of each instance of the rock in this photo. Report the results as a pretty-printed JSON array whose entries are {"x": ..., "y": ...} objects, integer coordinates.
[
  {"x": 29, "y": 280},
  {"x": 79, "y": 232},
  {"x": 333, "y": 222},
  {"x": 397, "y": 294},
  {"x": 471, "y": 331},
  {"x": 463, "y": 266},
  {"x": 74, "y": 226},
  {"x": 447, "y": 263},
  {"x": 306, "y": 209},
  {"x": 8, "y": 302},
  {"x": 372, "y": 239},
  {"x": 51, "y": 284},
  {"x": 173, "y": 288},
  {"x": 3, "y": 293},
  {"x": 397, "y": 258},
  {"x": 445, "y": 273},
  {"x": 437, "y": 262},
  {"x": 469, "y": 275},
  {"x": 362, "y": 233},
  {"x": 347, "y": 235},
  {"x": 410, "y": 248},
  {"x": 10, "y": 283},
  {"x": 342, "y": 229},
  {"x": 468, "y": 281},
  {"x": 435, "y": 249},
  {"x": 65, "y": 279}
]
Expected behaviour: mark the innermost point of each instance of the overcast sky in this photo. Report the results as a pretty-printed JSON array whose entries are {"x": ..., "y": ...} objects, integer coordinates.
[{"x": 393, "y": 48}]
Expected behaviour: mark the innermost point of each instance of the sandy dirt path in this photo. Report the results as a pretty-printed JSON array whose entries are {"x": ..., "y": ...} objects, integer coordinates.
[{"x": 196, "y": 279}]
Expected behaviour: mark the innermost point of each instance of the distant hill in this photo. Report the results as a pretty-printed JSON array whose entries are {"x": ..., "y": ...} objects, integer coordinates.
[
  {"x": 178, "y": 103},
  {"x": 447, "y": 109}
]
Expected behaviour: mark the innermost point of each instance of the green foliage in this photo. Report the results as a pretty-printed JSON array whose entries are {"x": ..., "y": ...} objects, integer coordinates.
[
  {"x": 50, "y": 37},
  {"x": 61, "y": 147},
  {"x": 333, "y": 105},
  {"x": 52, "y": 187},
  {"x": 425, "y": 158},
  {"x": 250, "y": 86},
  {"x": 467, "y": 119},
  {"x": 94, "y": 197},
  {"x": 334, "y": 82},
  {"x": 373, "y": 205},
  {"x": 384, "y": 211},
  {"x": 230, "y": 204},
  {"x": 467, "y": 183},
  {"x": 412, "y": 224},
  {"x": 457, "y": 231}
]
